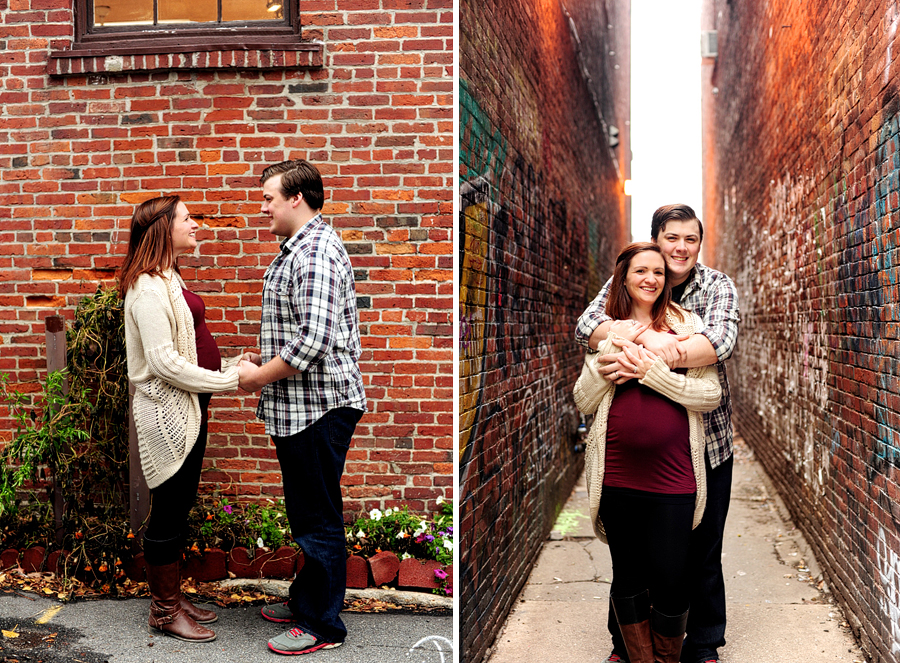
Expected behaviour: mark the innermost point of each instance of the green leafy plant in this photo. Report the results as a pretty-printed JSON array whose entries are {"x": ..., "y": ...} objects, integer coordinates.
[
  {"x": 48, "y": 427},
  {"x": 217, "y": 523},
  {"x": 404, "y": 533},
  {"x": 72, "y": 436},
  {"x": 445, "y": 580},
  {"x": 391, "y": 529},
  {"x": 437, "y": 538}
]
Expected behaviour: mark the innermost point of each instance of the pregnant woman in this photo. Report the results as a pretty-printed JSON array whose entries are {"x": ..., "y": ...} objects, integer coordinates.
[{"x": 644, "y": 459}]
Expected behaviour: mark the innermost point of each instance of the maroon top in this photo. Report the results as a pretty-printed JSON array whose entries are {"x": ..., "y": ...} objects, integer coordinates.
[
  {"x": 648, "y": 442},
  {"x": 208, "y": 356}
]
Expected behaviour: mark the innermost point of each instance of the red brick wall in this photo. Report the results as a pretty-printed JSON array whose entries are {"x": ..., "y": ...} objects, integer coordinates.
[
  {"x": 542, "y": 216},
  {"x": 803, "y": 177},
  {"x": 77, "y": 152}
]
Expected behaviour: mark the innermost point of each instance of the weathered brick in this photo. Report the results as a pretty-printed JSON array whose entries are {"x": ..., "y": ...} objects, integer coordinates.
[
  {"x": 103, "y": 142},
  {"x": 809, "y": 233}
]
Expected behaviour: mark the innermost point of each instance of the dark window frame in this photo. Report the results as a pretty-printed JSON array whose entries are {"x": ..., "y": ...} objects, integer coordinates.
[{"x": 185, "y": 37}]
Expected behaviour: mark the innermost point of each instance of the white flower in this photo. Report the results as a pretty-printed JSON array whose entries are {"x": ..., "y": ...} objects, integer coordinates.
[
  {"x": 421, "y": 528},
  {"x": 439, "y": 500},
  {"x": 405, "y": 556},
  {"x": 360, "y": 535},
  {"x": 375, "y": 514},
  {"x": 402, "y": 534},
  {"x": 387, "y": 512},
  {"x": 448, "y": 544},
  {"x": 260, "y": 543}
]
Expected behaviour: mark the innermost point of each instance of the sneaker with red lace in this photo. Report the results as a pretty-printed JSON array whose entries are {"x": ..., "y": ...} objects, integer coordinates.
[
  {"x": 615, "y": 658},
  {"x": 279, "y": 613},
  {"x": 297, "y": 641}
]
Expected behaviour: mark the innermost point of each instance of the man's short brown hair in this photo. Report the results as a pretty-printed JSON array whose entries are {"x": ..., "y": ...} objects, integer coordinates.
[
  {"x": 668, "y": 213},
  {"x": 298, "y": 176}
]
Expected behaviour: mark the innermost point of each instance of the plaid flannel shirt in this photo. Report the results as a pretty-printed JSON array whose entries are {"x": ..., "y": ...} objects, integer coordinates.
[
  {"x": 309, "y": 319},
  {"x": 712, "y": 296}
]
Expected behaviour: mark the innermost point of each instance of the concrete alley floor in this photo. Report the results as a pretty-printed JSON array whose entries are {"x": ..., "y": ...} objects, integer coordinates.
[{"x": 777, "y": 611}]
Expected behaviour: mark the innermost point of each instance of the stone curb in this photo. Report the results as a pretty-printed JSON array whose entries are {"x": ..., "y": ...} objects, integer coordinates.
[{"x": 280, "y": 588}]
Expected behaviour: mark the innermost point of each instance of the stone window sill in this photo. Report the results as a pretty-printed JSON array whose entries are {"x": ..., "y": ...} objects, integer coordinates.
[{"x": 304, "y": 55}]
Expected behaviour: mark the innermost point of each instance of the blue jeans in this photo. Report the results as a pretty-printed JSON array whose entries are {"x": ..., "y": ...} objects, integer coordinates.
[{"x": 312, "y": 462}]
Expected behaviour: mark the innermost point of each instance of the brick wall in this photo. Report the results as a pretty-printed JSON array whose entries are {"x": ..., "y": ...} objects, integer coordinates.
[
  {"x": 370, "y": 105},
  {"x": 542, "y": 216},
  {"x": 803, "y": 176}
]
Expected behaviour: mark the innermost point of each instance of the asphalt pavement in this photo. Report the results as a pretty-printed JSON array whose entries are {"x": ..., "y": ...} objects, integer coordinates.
[
  {"x": 778, "y": 607},
  {"x": 114, "y": 631}
]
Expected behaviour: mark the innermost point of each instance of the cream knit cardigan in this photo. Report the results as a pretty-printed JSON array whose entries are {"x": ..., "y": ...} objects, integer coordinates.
[
  {"x": 162, "y": 365},
  {"x": 698, "y": 391}
]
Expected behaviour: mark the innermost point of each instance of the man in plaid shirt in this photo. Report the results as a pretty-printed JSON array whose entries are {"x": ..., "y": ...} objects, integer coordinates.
[
  {"x": 712, "y": 296},
  {"x": 312, "y": 396}
]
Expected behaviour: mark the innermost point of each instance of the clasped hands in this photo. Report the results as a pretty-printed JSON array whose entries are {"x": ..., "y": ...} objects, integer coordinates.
[
  {"x": 634, "y": 360},
  {"x": 249, "y": 378}
]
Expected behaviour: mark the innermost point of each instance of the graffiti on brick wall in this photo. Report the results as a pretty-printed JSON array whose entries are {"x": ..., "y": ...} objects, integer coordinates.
[
  {"x": 510, "y": 233},
  {"x": 884, "y": 245},
  {"x": 889, "y": 599},
  {"x": 515, "y": 404},
  {"x": 789, "y": 272},
  {"x": 815, "y": 249},
  {"x": 788, "y": 388}
]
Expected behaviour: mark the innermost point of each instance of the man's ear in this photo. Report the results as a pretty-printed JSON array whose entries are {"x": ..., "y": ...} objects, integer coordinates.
[{"x": 295, "y": 200}]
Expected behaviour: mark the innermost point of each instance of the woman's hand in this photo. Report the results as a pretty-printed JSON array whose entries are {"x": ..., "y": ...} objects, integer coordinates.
[
  {"x": 641, "y": 358},
  {"x": 615, "y": 366},
  {"x": 628, "y": 329},
  {"x": 252, "y": 357}
]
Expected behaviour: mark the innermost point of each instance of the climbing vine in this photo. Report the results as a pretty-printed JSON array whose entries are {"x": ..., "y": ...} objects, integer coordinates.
[{"x": 72, "y": 437}]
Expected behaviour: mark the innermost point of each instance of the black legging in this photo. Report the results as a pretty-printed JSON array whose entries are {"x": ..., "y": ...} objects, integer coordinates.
[
  {"x": 171, "y": 501},
  {"x": 648, "y": 535}
]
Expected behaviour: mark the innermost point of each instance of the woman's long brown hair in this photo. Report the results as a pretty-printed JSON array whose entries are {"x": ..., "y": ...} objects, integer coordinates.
[
  {"x": 150, "y": 245},
  {"x": 619, "y": 304}
]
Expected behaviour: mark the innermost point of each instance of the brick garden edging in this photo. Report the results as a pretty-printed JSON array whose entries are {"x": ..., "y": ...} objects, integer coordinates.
[{"x": 380, "y": 570}]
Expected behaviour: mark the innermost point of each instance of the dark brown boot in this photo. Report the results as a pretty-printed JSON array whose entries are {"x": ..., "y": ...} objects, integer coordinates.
[
  {"x": 633, "y": 616},
  {"x": 199, "y": 615},
  {"x": 167, "y": 617},
  {"x": 668, "y": 635}
]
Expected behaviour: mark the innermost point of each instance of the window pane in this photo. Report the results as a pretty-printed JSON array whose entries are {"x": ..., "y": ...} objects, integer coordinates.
[
  {"x": 251, "y": 10},
  {"x": 188, "y": 11},
  {"x": 123, "y": 12}
]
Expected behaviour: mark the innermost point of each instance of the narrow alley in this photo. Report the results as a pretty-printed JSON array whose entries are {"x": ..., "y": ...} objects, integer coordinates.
[
  {"x": 799, "y": 108},
  {"x": 779, "y": 608}
]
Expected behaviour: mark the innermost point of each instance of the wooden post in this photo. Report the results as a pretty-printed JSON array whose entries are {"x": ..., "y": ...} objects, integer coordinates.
[
  {"x": 139, "y": 493},
  {"x": 55, "y": 334}
]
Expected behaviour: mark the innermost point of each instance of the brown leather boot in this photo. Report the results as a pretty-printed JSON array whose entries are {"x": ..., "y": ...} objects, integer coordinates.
[
  {"x": 167, "y": 617},
  {"x": 199, "y": 615},
  {"x": 633, "y": 616},
  {"x": 668, "y": 635}
]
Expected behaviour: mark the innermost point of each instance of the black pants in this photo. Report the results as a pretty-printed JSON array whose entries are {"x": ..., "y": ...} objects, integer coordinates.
[
  {"x": 649, "y": 538},
  {"x": 171, "y": 502},
  {"x": 706, "y": 623}
]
